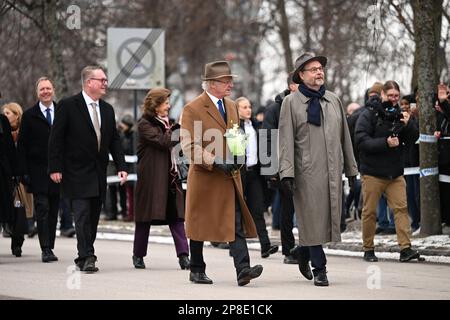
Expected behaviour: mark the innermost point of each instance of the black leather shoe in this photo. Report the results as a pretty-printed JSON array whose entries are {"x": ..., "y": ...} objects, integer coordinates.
[
  {"x": 138, "y": 262},
  {"x": 48, "y": 255},
  {"x": 370, "y": 256},
  {"x": 269, "y": 251},
  {"x": 184, "y": 262},
  {"x": 17, "y": 251},
  {"x": 408, "y": 254},
  {"x": 320, "y": 278},
  {"x": 199, "y": 277},
  {"x": 290, "y": 260},
  {"x": 248, "y": 274},
  {"x": 303, "y": 262},
  {"x": 89, "y": 265}
]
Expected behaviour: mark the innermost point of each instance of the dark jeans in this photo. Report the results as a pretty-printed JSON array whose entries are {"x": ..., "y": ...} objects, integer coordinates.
[
  {"x": 142, "y": 232},
  {"x": 276, "y": 210},
  {"x": 286, "y": 225},
  {"x": 86, "y": 213},
  {"x": 238, "y": 249},
  {"x": 353, "y": 197},
  {"x": 413, "y": 198},
  {"x": 46, "y": 210},
  {"x": 253, "y": 191}
]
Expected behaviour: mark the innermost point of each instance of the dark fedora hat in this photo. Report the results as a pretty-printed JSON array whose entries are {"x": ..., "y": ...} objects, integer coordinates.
[
  {"x": 217, "y": 69},
  {"x": 303, "y": 60}
]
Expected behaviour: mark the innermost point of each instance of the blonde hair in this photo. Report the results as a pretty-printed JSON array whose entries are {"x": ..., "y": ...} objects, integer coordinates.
[
  {"x": 14, "y": 108},
  {"x": 240, "y": 99},
  {"x": 154, "y": 98}
]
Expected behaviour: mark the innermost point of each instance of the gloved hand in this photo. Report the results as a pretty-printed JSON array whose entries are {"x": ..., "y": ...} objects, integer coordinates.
[
  {"x": 228, "y": 168},
  {"x": 351, "y": 183},
  {"x": 175, "y": 126},
  {"x": 287, "y": 184}
]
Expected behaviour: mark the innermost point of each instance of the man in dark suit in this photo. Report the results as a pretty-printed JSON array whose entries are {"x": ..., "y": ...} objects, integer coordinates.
[
  {"x": 33, "y": 151},
  {"x": 83, "y": 133}
]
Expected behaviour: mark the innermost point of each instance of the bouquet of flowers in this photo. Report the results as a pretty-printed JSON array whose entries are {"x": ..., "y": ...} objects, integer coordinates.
[{"x": 237, "y": 140}]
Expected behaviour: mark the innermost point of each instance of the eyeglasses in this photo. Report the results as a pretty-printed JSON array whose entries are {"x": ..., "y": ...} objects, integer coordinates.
[
  {"x": 102, "y": 80},
  {"x": 315, "y": 70},
  {"x": 225, "y": 82}
]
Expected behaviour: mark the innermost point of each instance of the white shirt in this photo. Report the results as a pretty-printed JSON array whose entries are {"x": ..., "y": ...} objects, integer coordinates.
[
  {"x": 215, "y": 100},
  {"x": 44, "y": 110},
  {"x": 251, "y": 151},
  {"x": 88, "y": 101}
]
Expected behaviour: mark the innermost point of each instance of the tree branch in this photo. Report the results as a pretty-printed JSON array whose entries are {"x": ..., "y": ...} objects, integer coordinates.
[
  {"x": 24, "y": 13},
  {"x": 402, "y": 19}
]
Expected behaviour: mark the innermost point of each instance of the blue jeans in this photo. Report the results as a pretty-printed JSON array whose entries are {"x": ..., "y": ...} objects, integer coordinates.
[
  {"x": 385, "y": 222},
  {"x": 276, "y": 210}
]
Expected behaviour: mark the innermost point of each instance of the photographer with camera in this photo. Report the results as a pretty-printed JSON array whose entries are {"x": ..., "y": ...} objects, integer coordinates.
[{"x": 381, "y": 134}]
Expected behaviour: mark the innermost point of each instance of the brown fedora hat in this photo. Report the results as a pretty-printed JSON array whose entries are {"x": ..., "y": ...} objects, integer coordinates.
[
  {"x": 217, "y": 69},
  {"x": 303, "y": 60}
]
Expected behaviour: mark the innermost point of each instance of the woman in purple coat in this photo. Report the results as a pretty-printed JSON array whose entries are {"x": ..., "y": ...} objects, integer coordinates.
[{"x": 159, "y": 195}]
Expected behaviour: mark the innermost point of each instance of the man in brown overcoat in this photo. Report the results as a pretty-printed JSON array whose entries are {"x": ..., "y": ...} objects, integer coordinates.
[{"x": 215, "y": 207}]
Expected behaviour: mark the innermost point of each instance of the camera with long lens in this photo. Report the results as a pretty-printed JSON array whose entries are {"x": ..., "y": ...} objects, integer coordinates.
[
  {"x": 386, "y": 112},
  {"x": 391, "y": 113}
]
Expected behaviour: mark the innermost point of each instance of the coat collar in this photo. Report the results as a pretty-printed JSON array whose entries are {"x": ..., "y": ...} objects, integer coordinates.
[
  {"x": 36, "y": 112},
  {"x": 212, "y": 110},
  {"x": 304, "y": 99},
  {"x": 84, "y": 111}
]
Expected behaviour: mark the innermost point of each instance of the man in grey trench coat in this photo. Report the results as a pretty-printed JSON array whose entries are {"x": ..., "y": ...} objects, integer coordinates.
[{"x": 315, "y": 148}]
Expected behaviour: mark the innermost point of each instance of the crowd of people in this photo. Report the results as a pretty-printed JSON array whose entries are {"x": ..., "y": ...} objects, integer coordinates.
[{"x": 55, "y": 159}]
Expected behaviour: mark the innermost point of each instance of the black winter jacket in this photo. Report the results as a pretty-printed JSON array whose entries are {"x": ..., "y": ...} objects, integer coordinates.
[{"x": 375, "y": 156}]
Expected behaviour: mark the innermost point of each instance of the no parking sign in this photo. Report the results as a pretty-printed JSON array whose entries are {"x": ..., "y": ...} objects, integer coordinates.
[{"x": 135, "y": 58}]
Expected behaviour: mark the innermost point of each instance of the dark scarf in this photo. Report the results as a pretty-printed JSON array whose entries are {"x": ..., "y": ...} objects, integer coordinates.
[{"x": 314, "y": 103}]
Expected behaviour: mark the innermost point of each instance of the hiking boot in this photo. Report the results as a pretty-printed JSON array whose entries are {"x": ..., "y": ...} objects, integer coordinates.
[
  {"x": 370, "y": 256},
  {"x": 408, "y": 254},
  {"x": 320, "y": 278}
]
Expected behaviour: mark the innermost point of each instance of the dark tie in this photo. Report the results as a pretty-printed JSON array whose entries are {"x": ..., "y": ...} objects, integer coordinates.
[
  {"x": 48, "y": 116},
  {"x": 221, "y": 110}
]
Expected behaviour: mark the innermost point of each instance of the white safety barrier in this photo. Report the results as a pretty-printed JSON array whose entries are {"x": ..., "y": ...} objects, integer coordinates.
[{"x": 133, "y": 176}]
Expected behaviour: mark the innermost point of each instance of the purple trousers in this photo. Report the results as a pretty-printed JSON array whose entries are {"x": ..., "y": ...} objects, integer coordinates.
[{"x": 142, "y": 231}]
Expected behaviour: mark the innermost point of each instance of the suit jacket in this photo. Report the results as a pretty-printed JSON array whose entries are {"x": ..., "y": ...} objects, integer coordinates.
[
  {"x": 32, "y": 147},
  {"x": 73, "y": 148},
  {"x": 210, "y": 198}
]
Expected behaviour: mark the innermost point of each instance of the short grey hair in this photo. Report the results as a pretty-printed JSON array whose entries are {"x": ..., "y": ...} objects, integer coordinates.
[
  {"x": 44, "y": 78},
  {"x": 87, "y": 71}
]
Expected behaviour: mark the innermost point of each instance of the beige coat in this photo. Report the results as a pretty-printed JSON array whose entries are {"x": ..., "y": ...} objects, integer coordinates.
[
  {"x": 316, "y": 157},
  {"x": 210, "y": 198}
]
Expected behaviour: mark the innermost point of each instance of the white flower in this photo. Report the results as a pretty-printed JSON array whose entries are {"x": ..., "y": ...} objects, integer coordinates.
[{"x": 237, "y": 140}]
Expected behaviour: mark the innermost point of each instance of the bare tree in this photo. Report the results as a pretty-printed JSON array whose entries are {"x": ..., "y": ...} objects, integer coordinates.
[{"x": 425, "y": 20}]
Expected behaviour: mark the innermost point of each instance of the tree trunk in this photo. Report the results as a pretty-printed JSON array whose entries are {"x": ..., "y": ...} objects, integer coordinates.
[
  {"x": 308, "y": 26},
  {"x": 436, "y": 7},
  {"x": 51, "y": 31},
  {"x": 425, "y": 38},
  {"x": 284, "y": 35}
]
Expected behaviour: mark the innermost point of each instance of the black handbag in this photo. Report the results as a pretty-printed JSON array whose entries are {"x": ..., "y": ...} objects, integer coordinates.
[{"x": 19, "y": 224}]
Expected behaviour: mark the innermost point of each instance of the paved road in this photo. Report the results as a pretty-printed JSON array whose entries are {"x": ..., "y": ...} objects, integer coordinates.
[{"x": 350, "y": 278}]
